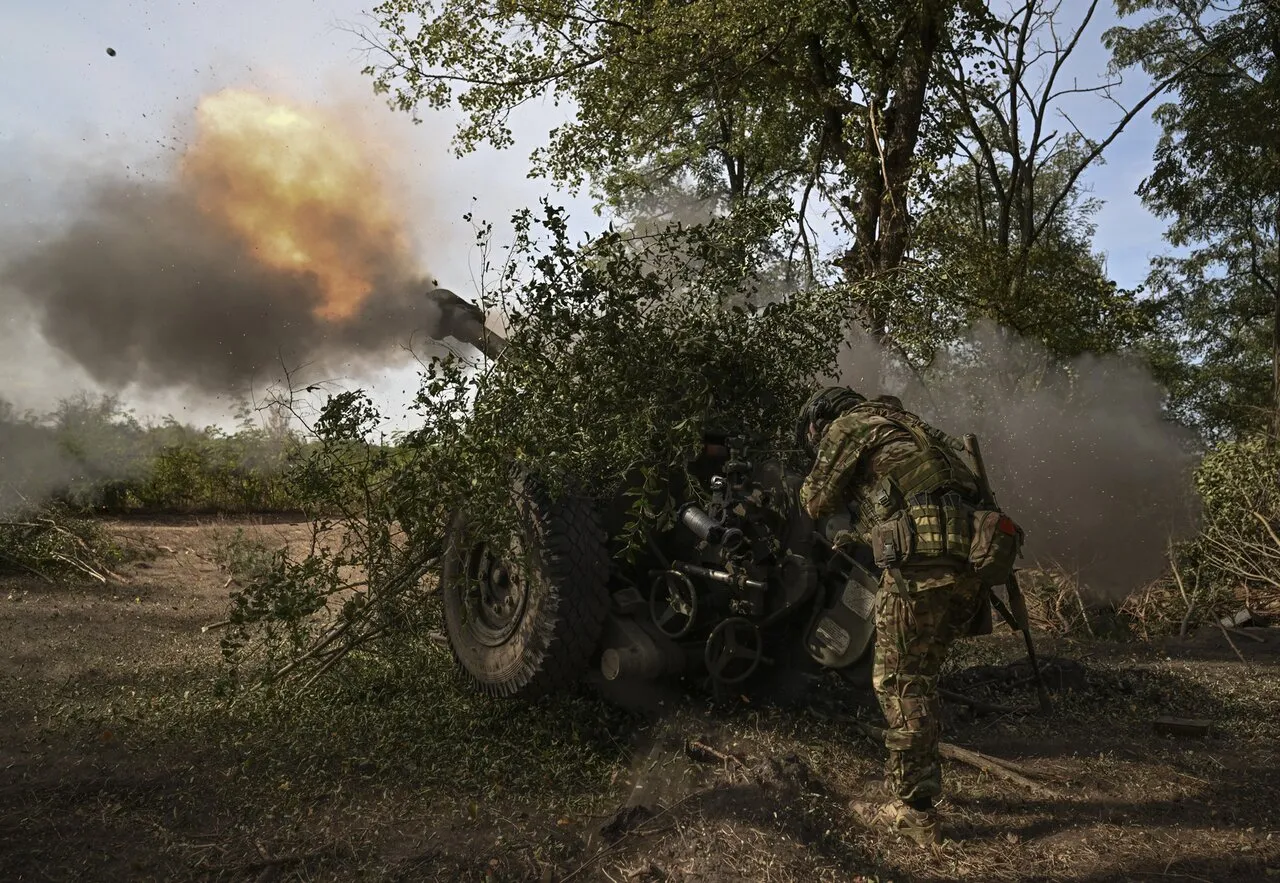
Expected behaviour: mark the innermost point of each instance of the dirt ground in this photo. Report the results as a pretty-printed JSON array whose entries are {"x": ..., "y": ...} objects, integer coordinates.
[{"x": 120, "y": 759}]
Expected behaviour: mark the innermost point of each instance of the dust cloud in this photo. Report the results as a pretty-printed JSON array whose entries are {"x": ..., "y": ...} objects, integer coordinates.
[
  {"x": 1078, "y": 452},
  {"x": 276, "y": 242}
]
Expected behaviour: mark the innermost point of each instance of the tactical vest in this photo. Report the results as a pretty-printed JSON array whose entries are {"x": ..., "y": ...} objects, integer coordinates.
[{"x": 919, "y": 482}]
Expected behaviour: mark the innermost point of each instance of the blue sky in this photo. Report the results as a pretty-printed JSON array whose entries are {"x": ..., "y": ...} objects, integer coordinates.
[{"x": 67, "y": 109}]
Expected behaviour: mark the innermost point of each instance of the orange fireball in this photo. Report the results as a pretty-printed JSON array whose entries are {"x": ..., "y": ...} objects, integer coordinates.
[{"x": 298, "y": 190}]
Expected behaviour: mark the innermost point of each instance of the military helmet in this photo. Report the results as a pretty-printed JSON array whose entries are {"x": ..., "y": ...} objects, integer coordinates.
[{"x": 822, "y": 407}]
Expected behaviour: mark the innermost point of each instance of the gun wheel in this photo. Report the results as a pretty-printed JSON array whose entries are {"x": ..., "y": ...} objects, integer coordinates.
[
  {"x": 525, "y": 619},
  {"x": 673, "y": 603}
]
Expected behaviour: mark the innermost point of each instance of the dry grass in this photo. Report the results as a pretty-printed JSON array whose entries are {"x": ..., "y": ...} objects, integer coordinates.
[
  {"x": 1174, "y": 604},
  {"x": 122, "y": 763},
  {"x": 1135, "y": 806},
  {"x": 1166, "y": 607}
]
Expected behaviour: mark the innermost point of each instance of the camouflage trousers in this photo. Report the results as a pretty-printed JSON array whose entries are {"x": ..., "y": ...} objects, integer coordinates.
[{"x": 913, "y": 632}]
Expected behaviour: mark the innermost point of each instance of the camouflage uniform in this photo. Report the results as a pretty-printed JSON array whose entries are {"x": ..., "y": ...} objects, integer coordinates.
[
  {"x": 913, "y": 632},
  {"x": 920, "y": 609}
]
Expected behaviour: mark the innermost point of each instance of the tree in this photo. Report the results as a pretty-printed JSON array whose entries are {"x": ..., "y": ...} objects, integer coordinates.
[
  {"x": 736, "y": 101},
  {"x": 1217, "y": 180},
  {"x": 1015, "y": 99},
  {"x": 1009, "y": 219},
  {"x": 1041, "y": 278},
  {"x": 855, "y": 111}
]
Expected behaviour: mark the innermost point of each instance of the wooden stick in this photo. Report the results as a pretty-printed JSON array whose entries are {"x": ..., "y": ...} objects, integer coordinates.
[
  {"x": 1001, "y": 769},
  {"x": 1267, "y": 525},
  {"x": 1177, "y": 575},
  {"x": 1239, "y": 655},
  {"x": 1242, "y": 633},
  {"x": 78, "y": 565},
  {"x": 604, "y": 850},
  {"x": 340, "y": 653},
  {"x": 701, "y": 751},
  {"x": 324, "y": 668},
  {"x": 1084, "y": 613}
]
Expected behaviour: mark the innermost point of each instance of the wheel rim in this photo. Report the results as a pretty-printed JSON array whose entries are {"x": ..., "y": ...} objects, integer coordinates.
[{"x": 494, "y": 596}]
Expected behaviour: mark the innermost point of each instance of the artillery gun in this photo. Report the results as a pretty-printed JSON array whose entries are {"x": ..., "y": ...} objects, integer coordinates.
[{"x": 740, "y": 584}]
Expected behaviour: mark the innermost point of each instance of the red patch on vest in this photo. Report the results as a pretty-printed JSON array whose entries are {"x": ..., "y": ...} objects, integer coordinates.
[{"x": 1006, "y": 525}]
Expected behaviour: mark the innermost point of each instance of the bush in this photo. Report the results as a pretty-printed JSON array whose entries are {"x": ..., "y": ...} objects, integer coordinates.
[
  {"x": 620, "y": 353},
  {"x": 90, "y": 455},
  {"x": 1239, "y": 543},
  {"x": 50, "y": 541},
  {"x": 1234, "y": 560}
]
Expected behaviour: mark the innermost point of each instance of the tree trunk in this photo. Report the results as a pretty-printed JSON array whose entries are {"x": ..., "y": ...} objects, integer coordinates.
[
  {"x": 902, "y": 133},
  {"x": 1274, "y": 162},
  {"x": 1275, "y": 336},
  {"x": 883, "y": 171}
]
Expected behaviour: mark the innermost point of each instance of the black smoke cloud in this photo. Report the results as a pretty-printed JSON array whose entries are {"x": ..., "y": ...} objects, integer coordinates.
[{"x": 143, "y": 287}]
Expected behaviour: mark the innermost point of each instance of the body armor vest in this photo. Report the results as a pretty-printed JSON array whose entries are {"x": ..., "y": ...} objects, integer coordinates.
[{"x": 935, "y": 470}]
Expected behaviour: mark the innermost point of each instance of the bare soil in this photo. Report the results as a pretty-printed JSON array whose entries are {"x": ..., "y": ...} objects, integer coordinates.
[{"x": 120, "y": 760}]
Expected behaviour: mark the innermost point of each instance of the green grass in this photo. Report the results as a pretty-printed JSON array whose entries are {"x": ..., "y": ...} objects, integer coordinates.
[{"x": 405, "y": 723}]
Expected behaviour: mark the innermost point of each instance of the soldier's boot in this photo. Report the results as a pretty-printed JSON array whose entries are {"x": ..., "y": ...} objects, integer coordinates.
[{"x": 879, "y": 810}]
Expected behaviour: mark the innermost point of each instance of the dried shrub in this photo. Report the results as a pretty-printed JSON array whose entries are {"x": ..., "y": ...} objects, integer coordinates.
[
  {"x": 51, "y": 542},
  {"x": 1239, "y": 543}
]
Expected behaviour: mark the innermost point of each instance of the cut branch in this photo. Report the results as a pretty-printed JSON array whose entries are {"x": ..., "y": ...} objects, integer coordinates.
[{"x": 1001, "y": 769}]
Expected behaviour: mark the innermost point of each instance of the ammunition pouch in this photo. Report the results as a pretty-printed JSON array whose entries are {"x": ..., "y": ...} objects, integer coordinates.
[
  {"x": 929, "y": 529},
  {"x": 943, "y": 525},
  {"x": 928, "y": 524},
  {"x": 995, "y": 546},
  {"x": 893, "y": 541}
]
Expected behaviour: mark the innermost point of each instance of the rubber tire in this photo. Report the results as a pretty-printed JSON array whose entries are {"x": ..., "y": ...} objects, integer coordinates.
[{"x": 564, "y": 614}]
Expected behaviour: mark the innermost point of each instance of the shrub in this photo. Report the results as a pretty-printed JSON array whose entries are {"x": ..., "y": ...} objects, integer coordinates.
[
  {"x": 1239, "y": 543},
  {"x": 91, "y": 455},
  {"x": 620, "y": 353},
  {"x": 50, "y": 541}
]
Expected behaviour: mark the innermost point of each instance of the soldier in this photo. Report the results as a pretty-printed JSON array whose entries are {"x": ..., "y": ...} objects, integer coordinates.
[{"x": 909, "y": 496}]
